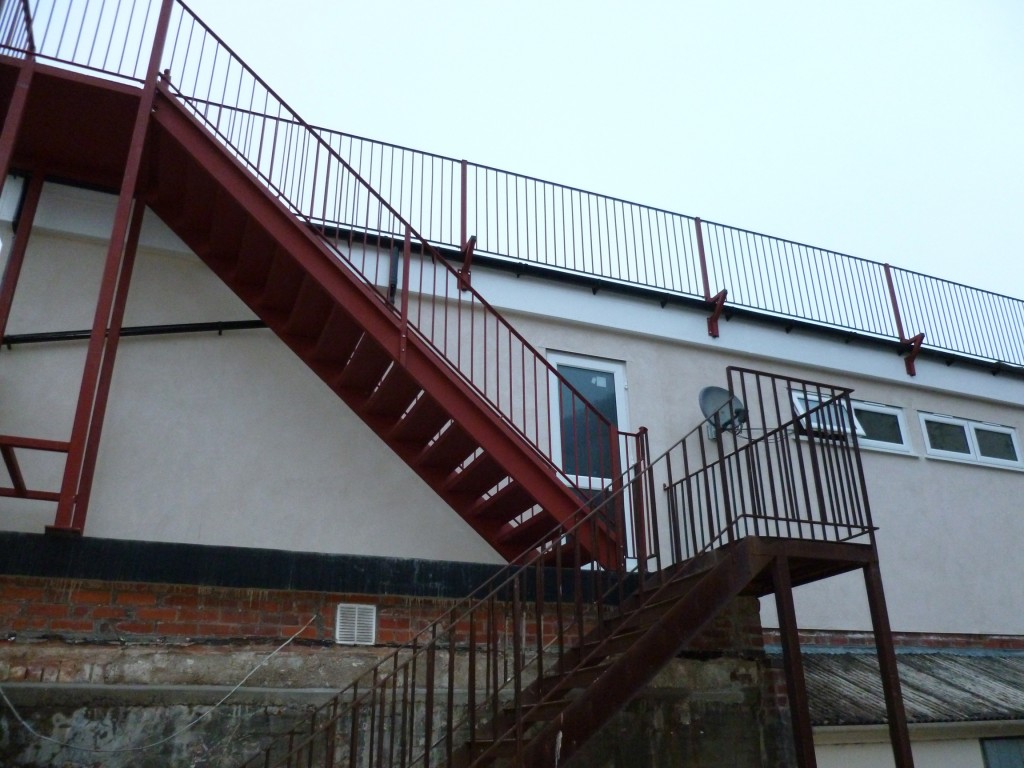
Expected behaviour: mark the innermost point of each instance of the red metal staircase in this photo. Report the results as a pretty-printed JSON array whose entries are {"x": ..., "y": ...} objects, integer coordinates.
[{"x": 375, "y": 311}]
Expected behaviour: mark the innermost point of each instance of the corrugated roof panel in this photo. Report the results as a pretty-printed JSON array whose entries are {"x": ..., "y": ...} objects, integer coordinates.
[{"x": 846, "y": 688}]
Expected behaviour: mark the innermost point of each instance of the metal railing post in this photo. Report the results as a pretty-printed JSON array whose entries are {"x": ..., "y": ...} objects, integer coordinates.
[
  {"x": 911, "y": 347},
  {"x": 406, "y": 262}
]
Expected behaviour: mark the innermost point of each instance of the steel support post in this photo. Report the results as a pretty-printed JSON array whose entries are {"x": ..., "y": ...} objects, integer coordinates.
[
  {"x": 69, "y": 518},
  {"x": 12, "y": 270},
  {"x": 899, "y": 736},
  {"x": 792, "y": 659},
  {"x": 15, "y": 113},
  {"x": 99, "y": 410}
]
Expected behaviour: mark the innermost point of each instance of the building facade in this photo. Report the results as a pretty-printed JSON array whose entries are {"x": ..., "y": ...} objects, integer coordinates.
[{"x": 231, "y": 500}]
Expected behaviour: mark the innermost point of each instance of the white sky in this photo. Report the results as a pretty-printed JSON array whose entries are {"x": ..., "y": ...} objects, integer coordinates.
[{"x": 887, "y": 130}]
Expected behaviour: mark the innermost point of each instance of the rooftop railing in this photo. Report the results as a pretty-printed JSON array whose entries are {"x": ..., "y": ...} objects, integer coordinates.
[
  {"x": 564, "y": 229},
  {"x": 561, "y": 228}
]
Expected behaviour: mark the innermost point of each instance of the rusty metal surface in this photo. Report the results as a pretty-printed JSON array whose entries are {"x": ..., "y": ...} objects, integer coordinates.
[{"x": 845, "y": 688}]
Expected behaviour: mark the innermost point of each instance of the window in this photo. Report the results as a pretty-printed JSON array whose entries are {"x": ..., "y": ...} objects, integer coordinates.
[
  {"x": 583, "y": 447},
  {"x": 948, "y": 437},
  {"x": 829, "y": 420},
  {"x": 881, "y": 426},
  {"x": 877, "y": 426},
  {"x": 1003, "y": 753}
]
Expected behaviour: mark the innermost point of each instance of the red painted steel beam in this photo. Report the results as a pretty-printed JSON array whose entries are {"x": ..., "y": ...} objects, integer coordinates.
[
  {"x": 107, "y": 368},
  {"x": 792, "y": 659},
  {"x": 69, "y": 519},
  {"x": 30, "y": 495},
  {"x": 910, "y": 347},
  {"x": 14, "y": 118},
  {"x": 717, "y": 302},
  {"x": 13, "y": 470},
  {"x": 34, "y": 443},
  {"x": 899, "y": 735},
  {"x": 679, "y": 624},
  {"x": 12, "y": 270}
]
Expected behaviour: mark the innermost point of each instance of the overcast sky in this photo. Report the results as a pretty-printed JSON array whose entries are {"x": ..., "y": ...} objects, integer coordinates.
[{"x": 887, "y": 130}]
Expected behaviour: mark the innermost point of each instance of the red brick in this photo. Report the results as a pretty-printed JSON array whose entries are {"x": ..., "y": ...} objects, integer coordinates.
[
  {"x": 185, "y": 601},
  {"x": 71, "y": 625},
  {"x": 219, "y": 630},
  {"x": 234, "y": 616},
  {"x": 90, "y": 596},
  {"x": 134, "y": 627},
  {"x": 51, "y": 610},
  {"x": 156, "y": 614},
  {"x": 19, "y": 624},
  {"x": 135, "y": 598},
  {"x": 108, "y": 612},
  {"x": 178, "y": 629},
  {"x": 198, "y": 614},
  {"x": 14, "y": 592}
]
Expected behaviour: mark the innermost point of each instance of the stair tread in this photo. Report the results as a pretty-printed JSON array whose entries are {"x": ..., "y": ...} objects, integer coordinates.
[
  {"x": 505, "y": 505},
  {"x": 421, "y": 423},
  {"x": 449, "y": 450},
  {"x": 394, "y": 395},
  {"x": 365, "y": 368},
  {"x": 481, "y": 475}
]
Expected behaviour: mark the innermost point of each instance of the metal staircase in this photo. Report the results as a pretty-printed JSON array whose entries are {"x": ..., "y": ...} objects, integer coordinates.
[
  {"x": 383, "y": 319},
  {"x": 537, "y": 660},
  {"x": 615, "y": 568}
]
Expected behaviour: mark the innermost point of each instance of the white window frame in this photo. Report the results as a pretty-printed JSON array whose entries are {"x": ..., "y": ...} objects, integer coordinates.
[
  {"x": 615, "y": 367},
  {"x": 864, "y": 441},
  {"x": 969, "y": 426},
  {"x": 805, "y": 400}
]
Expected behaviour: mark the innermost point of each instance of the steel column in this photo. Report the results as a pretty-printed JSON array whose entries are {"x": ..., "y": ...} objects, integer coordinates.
[
  {"x": 12, "y": 270},
  {"x": 107, "y": 368},
  {"x": 899, "y": 736},
  {"x": 15, "y": 113},
  {"x": 796, "y": 685},
  {"x": 69, "y": 519}
]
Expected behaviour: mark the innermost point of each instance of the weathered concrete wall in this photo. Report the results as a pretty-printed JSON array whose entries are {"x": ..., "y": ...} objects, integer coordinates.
[
  {"x": 116, "y": 665},
  {"x": 697, "y": 712}
]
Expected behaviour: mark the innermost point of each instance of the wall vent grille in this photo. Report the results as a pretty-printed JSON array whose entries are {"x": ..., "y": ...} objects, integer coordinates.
[{"x": 355, "y": 624}]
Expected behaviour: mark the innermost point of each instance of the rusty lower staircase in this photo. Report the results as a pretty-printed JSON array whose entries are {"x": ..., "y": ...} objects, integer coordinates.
[
  {"x": 535, "y": 662},
  {"x": 619, "y": 656}
]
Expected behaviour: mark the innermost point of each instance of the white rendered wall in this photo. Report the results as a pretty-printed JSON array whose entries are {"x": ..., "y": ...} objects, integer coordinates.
[
  {"x": 207, "y": 439},
  {"x": 232, "y": 440},
  {"x": 962, "y": 753}
]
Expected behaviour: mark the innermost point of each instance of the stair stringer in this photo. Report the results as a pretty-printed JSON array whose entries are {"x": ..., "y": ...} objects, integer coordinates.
[
  {"x": 462, "y": 404},
  {"x": 556, "y": 742}
]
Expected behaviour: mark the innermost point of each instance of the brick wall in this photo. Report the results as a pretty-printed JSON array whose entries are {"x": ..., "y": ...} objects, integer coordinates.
[{"x": 35, "y": 608}]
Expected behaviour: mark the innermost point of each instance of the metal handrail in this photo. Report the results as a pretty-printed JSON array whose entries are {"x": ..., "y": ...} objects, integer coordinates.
[
  {"x": 471, "y": 675},
  {"x": 433, "y": 302},
  {"x": 566, "y": 229}
]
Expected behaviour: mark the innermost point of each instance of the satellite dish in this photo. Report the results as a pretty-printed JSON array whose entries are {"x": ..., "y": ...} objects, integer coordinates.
[{"x": 723, "y": 411}]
